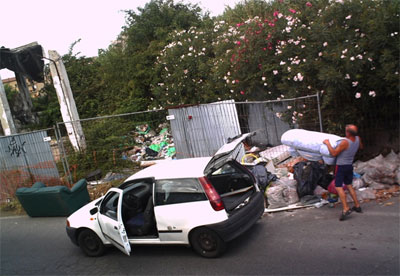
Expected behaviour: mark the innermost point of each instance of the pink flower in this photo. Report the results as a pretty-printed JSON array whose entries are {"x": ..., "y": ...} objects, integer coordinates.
[
  {"x": 358, "y": 95},
  {"x": 271, "y": 24},
  {"x": 264, "y": 49},
  {"x": 276, "y": 13},
  {"x": 308, "y": 4},
  {"x": 238, "y": 42},
  {"x": 238, "y": 25},
  {"x": 242, "y": 92},
  {"x": 292, "y": 10}
]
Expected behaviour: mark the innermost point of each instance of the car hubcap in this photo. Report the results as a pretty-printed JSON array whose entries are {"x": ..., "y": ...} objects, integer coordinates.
[
  {"x": 90, "y": 243},
  {"x": 207, "y": 242}
]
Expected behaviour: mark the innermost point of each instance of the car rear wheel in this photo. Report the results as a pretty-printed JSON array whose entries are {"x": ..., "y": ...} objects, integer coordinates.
[
  {"x": 90, "y": 243},
  {"x": 207, "y": 243}
]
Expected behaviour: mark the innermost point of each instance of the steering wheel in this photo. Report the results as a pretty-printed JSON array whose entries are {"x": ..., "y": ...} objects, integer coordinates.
[{"x": 131, "y": 202}]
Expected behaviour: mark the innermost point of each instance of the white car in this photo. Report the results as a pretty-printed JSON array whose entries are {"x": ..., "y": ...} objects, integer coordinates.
[{"x": 201, "y": 202}]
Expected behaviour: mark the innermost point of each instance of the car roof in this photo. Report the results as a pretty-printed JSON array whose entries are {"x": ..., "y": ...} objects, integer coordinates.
[{"x": 169, "y": 169}]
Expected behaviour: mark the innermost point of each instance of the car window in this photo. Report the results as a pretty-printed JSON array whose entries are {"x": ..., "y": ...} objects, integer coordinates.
[
  {"x": 109, "y": 205},
  {"x": 225, "y": 169},
  {"x": 172, "y": 191}
]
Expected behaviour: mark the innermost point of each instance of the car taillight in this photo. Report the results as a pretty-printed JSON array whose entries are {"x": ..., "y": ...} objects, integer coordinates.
[
  {"x": 213, "y": 196},
  {"x": 68, "y": 223}
]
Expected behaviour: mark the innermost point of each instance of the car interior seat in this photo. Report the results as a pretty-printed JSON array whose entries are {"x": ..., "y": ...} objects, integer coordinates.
[{"x": 144, "y": 223}]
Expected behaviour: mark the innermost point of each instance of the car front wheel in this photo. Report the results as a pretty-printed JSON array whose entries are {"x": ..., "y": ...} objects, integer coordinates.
[
  {"x": 207, "y": 243},
  {"x": 90, "y": 243}
]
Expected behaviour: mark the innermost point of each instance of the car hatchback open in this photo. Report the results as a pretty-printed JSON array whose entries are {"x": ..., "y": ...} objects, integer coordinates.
[{"x": 202, "y": 202}]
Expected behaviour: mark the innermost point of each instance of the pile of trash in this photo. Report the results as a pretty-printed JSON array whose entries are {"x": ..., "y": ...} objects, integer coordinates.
[
  {"x": 96, "y": 177},
  {"x": 294, "y": 182},
  {"x": 152, "y": 145},
  {"x": 287, "y": 181},
  {"x": 379, "y": 172}
]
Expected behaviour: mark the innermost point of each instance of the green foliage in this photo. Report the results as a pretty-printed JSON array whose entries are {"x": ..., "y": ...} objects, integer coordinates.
[
  {"x": 345, "y": 50},
  {"x": 11, "y": 94},
  {"x": 171, "y": 53},
  {"x": 47, "y": 107}
]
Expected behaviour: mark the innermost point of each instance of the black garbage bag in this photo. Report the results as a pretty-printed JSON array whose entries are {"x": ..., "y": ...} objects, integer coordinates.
[
  {"x": 326, "y": 179},
  {"x": 308, "y": 175},
  {"x": 264, "y": 177},
  {"x": 151, "y": 153}
]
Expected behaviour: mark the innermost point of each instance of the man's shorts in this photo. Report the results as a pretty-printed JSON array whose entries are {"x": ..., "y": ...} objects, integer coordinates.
[{"x": 344, "y": 174}]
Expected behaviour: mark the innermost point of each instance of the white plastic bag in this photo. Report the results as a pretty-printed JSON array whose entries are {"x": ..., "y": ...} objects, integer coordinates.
[
  {"x": 357, "y": 183},
  {"x": 275, "y": 197}
]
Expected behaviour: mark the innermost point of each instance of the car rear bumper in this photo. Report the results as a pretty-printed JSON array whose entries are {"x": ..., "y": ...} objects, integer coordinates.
[
  {"x": 241, "y": 220},
  {"x": 71, "y": 232}
]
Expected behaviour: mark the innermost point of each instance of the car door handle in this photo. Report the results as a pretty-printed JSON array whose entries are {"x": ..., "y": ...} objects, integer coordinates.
[{"x": 115, "y": 227}]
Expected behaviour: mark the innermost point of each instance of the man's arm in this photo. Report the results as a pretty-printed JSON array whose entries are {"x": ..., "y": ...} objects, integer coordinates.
[
  {"x": 341, "y": 147},
  {"x": 361, "y": 143}
]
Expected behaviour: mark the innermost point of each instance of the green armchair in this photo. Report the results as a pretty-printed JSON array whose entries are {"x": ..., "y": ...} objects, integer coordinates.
[{"x": 42, "y": 201}]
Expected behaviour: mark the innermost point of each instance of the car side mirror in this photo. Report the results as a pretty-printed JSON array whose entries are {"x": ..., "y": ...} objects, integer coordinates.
[{"x": 94, "y": 211}]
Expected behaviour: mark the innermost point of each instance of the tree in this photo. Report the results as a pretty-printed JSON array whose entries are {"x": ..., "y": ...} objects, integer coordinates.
[{"x": 128, "y": 67}]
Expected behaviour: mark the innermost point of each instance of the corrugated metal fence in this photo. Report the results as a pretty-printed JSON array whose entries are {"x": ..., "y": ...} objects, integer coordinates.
[
  {"x": 201, "y": 130},
  {"x": 24, "y": 159}
]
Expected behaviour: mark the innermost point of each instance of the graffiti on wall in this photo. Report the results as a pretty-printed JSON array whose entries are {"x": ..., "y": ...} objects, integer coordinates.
[{"x": 16, "y": 149}]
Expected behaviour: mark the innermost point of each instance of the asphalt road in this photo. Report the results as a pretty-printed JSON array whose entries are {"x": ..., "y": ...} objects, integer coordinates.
[{"x": 307, "y": 241}]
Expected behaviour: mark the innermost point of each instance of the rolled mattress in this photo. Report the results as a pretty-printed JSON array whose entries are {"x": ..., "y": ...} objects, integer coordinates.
[{"x": 309, "y": 144}]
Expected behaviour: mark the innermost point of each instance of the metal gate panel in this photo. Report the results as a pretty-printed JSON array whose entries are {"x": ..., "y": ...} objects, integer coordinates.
[
  {"x": 262, "y": 118},
  {"x": 24, "y": 159},
  {"x": 201, "y": 130}
]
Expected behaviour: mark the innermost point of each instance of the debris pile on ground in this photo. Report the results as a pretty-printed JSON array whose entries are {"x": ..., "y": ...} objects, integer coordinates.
[
  {"x": 282, "y": 193},
  {"x": 152, "y": 145},
  {"x": 99, "y": 190},
  {"x": 382, "y": 195},
  {"x": 95, "y": 177},
  {"x": 380, "y": 172},
  {"x": 313, "y": 185}
]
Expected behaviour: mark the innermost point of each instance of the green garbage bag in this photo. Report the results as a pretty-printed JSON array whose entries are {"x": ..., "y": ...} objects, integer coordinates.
[
  {"x": 171, "y": 152},
  {"x": 164, "y": 130},
  {"x": 163, "y": 144},
  {"x": 155, "y": 147}
]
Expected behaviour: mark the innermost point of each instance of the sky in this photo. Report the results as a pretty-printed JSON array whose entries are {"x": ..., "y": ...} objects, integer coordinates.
[{"x": 56, "y": 24}]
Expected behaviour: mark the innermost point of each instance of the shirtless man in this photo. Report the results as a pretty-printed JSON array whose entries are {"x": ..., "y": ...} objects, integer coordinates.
[{"x": 345, "y": 153}]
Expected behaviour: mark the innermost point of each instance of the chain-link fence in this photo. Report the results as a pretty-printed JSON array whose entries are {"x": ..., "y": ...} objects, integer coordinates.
[
  {"x": 113, "y": 144},
  {"x": 116, "y": 144},
  {"x": 27, "y": 158}
]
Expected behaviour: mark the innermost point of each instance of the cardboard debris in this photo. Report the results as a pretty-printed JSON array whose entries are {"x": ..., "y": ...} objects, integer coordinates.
[
  {"x": 276, "y": 154},
  {"x": 145, "y": 164},
  {"x": 287, "y": 208}
]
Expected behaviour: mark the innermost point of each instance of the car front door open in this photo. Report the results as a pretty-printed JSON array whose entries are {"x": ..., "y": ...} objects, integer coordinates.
[{"x": 110, "y": 220}]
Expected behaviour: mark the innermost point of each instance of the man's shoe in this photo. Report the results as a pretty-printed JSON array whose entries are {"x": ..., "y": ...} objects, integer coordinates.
[
  {"x": 357, "y": 209},
  {"x": 344, "y": 215}
]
